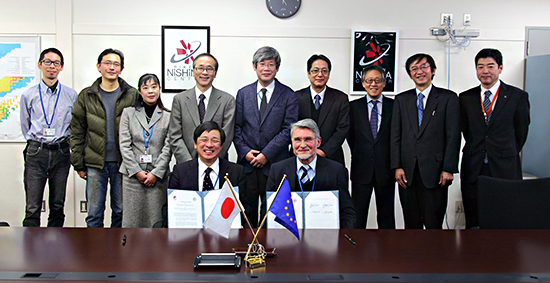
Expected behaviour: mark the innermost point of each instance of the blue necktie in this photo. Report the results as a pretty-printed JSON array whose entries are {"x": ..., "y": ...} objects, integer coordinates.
[
  {"x": 374, "y": 118},
  {"x": 486, "y": 105},
  {"x": 304, "y": 179},
  {"x": 420, "y": 107},
  {"x": 317, "y": 102}
]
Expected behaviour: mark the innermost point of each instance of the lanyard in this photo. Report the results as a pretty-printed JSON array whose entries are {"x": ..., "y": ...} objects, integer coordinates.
[
  {"x": 260, "y": 97},
  {"x": 486, "y": 114},
  {"x": 55, "y": 106},
  {"x": 374, "y": 109},
  {"x": 146, "y": 140},
  {"x": 300, "y": 182}
]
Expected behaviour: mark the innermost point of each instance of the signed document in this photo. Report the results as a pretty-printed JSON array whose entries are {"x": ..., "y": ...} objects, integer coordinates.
[
  {"x": 296, "y": 201},
  {"x": 184, "y": 209},
  {"x": 321, "y": 210}
]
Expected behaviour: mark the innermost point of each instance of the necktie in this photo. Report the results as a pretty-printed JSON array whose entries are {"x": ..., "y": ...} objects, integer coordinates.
[
  {"x": 202, "y": 110},
  {"x": 263, "y": 104},
  {"x": 304, "y": 179},
  {"x": 420, "y": 107},
  {"x": 374, "y": 118},
  {"x": 317, "y": 102},
  {"x": 486, "y": 105},
  {"x": 207, "y": 182}
]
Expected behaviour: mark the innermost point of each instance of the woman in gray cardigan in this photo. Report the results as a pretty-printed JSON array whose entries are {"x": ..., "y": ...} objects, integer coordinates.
[{"x": 145, "y": 156}]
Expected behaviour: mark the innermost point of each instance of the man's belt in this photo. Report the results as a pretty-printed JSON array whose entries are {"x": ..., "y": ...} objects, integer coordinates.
[{"x": 58, "y": 145}]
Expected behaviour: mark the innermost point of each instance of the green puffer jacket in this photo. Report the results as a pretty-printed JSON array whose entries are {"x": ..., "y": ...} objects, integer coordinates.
[{"x": 88, "y": 125}]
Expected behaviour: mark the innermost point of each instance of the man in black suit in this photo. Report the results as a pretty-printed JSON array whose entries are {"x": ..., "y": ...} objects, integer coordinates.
[
  {"x": 425, "y": 141},
  {"x": 494, "y": 121},
  {"x": 207, "y": 171},
  {"x": 327, "y": 106},
  {"x": 369, "y": 141},
  {"x": 316, "y": 172}
]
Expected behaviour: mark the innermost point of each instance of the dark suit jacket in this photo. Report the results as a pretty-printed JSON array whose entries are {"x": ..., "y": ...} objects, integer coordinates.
[
  {"x": 502, "y": 139},
  {"x": 435, "y": 146},
  {"x": 268, "y": 134},
  {"x": 330, "y": 176},
  {"x": 185, "y": 175},
  {"x": 333, "y": 119},
  {"x": 370, "y": 155}
]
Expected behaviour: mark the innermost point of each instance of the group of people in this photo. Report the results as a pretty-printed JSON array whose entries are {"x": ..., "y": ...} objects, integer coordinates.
[{"x": 113, "y": 133}]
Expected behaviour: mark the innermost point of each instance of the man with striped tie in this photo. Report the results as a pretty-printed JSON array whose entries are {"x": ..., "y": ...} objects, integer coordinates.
[
  {"x": 494, "y": 121},
  {"x": 425, "y": 141}
]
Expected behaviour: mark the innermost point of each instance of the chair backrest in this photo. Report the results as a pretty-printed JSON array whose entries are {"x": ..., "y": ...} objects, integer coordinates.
[
  {"x": 513, "y": 204},
  {"x": 4, "y": 224}
]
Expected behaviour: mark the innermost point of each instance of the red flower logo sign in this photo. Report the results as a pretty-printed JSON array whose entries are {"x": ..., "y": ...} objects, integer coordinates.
[
  {"x": 374, "y": 55},
  {"x": 187, "y": 51}
]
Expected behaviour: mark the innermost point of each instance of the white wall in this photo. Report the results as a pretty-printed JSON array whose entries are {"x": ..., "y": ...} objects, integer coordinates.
[{"x": 82, "y": 29}]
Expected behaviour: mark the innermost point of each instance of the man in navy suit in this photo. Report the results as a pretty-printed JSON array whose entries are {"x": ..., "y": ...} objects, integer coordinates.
[
  {"x": 425, "y": 141},
  {"x": 309, "y": 171},
  {"x": 264, "y": 111},
  {"x": 369, "y": 141},
  {"x": 328, "y": 107},
  {"x": 207, "y": 171},
  {"x": 494, "y": 121}
]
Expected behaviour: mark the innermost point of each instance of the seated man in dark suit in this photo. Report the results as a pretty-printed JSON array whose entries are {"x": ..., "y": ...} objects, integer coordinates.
[
  {"x": 207, "y": 171},
  {"x": 316, "y": 172}
]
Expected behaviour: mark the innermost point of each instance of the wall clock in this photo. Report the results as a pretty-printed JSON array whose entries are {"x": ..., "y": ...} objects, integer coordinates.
[{"x": 283, "y": 8}]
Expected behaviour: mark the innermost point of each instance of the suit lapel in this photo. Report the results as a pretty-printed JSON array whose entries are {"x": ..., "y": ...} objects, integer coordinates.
[
  {"x": 156, "y": 117},
  {"x": 224, "y": 171},
  {"x": 328, "y": 101},
  {"x": 410, "y": 105},
  {"x": 303, "y": 101},
  {"x": 213, "y": 105},
  {"x": 365, "y": 119},
  {"x": 474, "y": 102},
  {"x": 291, "y": 174},
  {"x": 502, "y": 99},
  {"x": 277, "y": 91},
  {"x": 192, "y": 174},
  {"x": 320, "y": 173},
  {"x": 386, "y": 116},
  {"x": 192, "y": 108},
  {"x": 429, "y": 110},
  {"x": 142, "y": 119}
]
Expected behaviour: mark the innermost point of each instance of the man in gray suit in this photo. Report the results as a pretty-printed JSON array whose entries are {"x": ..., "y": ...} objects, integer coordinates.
[{"x": 204, "y": 102}]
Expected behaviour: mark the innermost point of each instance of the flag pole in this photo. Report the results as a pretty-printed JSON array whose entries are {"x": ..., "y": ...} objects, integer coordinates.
[
  {"x": 239, "y": 204},
  {"x": 263, "y": 220}
]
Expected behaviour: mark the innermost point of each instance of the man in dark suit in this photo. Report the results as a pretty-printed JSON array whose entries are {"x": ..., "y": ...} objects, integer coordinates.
[
  {"x": 316, "y": 172},
  {"x": 425, "y": 141},
  {"x": 494, "y": 121},
  {"x": 369, "y": 141},
  {"x": 265, "y": 109},
  {"x": 327, "y": 106},
  {"x": 207, "y": 171},
  {"x": 202, "y": 103}
]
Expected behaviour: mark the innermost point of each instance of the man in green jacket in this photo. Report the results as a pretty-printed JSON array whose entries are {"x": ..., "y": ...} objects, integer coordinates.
[{"x": 95, "y": 153}]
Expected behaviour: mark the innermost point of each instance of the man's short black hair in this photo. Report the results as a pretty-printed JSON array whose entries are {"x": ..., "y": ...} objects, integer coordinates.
[
  {"x": 52, "y": 50},
  {"x": 208, "y": 126},
  {"x": 316, "y": 57},
  {"x": 111, "y": 51},
  {"x": 489, "y": 53},
  {"x": 216, "y": 65},
  {"x": 419, "y": 57}
]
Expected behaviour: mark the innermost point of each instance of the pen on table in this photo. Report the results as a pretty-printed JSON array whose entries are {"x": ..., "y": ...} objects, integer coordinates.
[
  {"x": 350, "y": 239},
  {"x": 124, "y": 240}
]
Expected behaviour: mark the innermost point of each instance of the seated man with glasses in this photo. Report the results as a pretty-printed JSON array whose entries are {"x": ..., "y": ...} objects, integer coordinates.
[
  {"x": 327, "y": 106},
  {"x": 202, "y": 103},
  {"x": 95, "y": 152}
]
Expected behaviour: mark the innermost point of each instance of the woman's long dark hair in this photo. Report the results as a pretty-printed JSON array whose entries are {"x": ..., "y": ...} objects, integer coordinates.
[{"x": 143, "y": 80}]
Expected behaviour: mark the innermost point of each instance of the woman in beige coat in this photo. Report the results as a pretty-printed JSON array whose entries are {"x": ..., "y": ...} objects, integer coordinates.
[{"x": 145, "y": 156}]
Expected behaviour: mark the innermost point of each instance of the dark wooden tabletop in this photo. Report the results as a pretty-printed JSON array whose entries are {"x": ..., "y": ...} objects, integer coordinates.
[{"x": 321, "y": 255}]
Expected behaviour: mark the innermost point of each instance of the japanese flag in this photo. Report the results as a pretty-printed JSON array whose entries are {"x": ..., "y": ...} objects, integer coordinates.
[{"x": 225, "y": 210}]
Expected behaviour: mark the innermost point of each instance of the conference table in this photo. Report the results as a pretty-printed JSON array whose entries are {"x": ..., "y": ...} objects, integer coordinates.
[{"x": 167, "y": 255}]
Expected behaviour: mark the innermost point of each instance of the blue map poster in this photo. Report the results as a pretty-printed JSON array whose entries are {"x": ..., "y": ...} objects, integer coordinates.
[{"x": 18, "y": 71}]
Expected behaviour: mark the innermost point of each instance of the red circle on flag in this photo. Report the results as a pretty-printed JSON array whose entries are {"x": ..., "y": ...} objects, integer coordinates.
[{"x": 227, "y": 207}]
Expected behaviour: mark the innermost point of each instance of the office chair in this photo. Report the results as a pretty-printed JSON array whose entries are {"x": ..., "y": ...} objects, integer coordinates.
[
  {"x": 4, "y": 224},
  {"x": 513, "y": 204}
]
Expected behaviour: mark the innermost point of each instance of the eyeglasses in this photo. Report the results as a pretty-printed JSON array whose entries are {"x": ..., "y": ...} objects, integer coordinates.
[
  {"x": 111, "y": 63},
  {"x": 268, "y": 65},
  {"x": 324, "y": 72},
  {"x": 424, "y": 67},
  {"x": 208, "y": 69},
  {"x": 212, "y": 140},
  {"x": 49, "y": 62},
  {"x": 376, "y": 81}
]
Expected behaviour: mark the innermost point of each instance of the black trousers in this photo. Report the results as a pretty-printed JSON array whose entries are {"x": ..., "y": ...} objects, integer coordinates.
[
  {"x": 422, "y": 206},
  {"x": 255, "y": 191},
  {"x": 385, "y": 204}
]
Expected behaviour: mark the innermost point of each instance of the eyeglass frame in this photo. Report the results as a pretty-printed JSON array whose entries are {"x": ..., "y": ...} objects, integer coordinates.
[
  {"x": 208, "y": 69},
  {"x": 56, "y": 63},
  {"x": 315, "y": 72},
  {"x": 109, "y": 63},
  {"x": 422, "y": 67}
]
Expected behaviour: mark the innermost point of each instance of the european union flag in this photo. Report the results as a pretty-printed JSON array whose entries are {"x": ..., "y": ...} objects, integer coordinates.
[{"x": 283, "y": 208}]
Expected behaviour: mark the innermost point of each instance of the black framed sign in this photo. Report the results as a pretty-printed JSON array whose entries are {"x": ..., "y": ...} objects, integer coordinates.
[
  {"x": 180, "y": 46},
  {"x": 374, "y": 47}
]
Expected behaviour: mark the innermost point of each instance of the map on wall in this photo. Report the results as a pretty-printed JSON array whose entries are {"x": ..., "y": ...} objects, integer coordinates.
[{"x": 18, "y": 71}]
